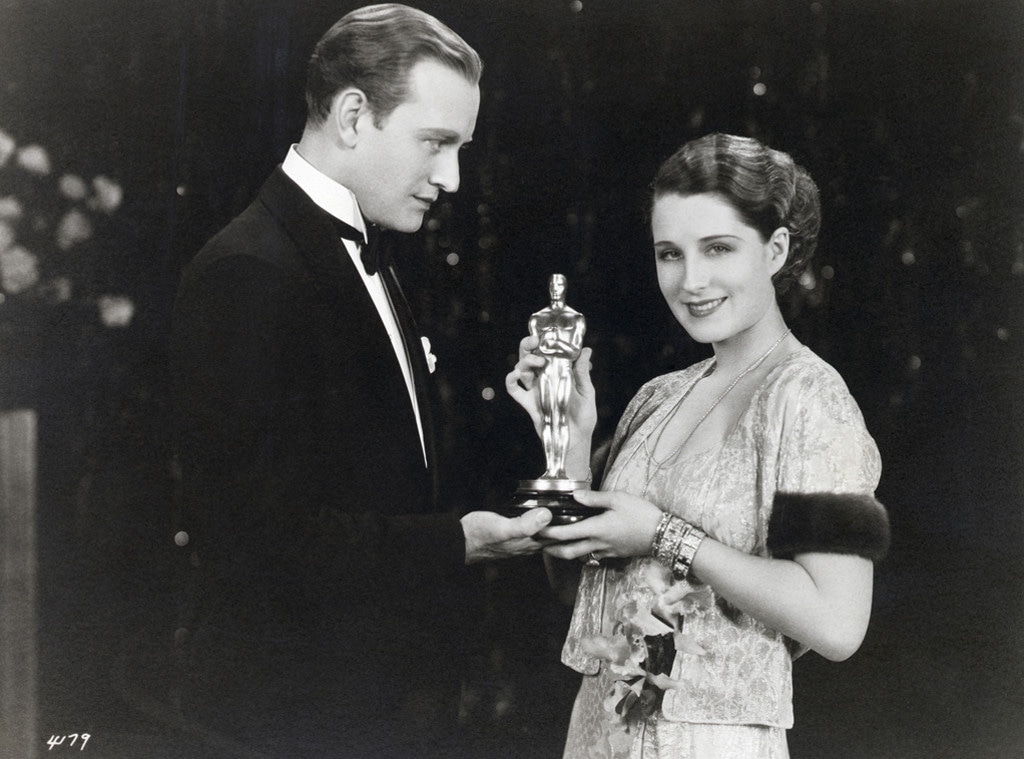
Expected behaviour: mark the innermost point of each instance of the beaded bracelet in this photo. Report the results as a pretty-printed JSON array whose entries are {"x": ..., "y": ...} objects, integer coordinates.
[{"x": 675, "y": 544}]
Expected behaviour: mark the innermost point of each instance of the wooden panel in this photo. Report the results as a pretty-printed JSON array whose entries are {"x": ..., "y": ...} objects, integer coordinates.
[{"x": 18, "y": 721}]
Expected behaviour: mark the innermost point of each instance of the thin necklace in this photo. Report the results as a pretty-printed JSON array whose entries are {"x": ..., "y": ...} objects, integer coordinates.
[{"x": 659, "y": 465}]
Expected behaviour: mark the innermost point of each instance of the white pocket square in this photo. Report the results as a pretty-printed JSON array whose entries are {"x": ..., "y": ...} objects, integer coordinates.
[{"x": 431, "y": 358}]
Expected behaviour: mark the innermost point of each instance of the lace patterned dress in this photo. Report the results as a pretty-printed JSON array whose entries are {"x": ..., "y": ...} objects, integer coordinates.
[{"x": 802, "y": 433}]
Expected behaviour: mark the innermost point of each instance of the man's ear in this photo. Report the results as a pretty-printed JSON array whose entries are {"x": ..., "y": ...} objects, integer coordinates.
[
  {"x": 778, "y": 249},
  {"x": 348, "y": 106}
]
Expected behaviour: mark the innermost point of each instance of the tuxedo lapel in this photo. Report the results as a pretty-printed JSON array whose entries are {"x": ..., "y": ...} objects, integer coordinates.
[
  {"x": 417, "y": 359},
  {"x": 334, "y": 272},
  {"x": 312, "y": 229}
]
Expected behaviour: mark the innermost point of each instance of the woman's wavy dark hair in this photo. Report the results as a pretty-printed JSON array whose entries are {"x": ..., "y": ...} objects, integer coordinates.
[
  {"x": 764, "y": 186},
  {"x": 374, "y": 48}
]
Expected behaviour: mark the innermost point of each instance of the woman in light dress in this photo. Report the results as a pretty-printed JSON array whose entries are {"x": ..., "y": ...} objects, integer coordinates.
[{"x": 739, "y": 527}]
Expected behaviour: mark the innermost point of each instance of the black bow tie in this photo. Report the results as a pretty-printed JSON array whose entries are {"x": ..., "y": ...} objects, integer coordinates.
[{"x": 371, "y": 252}]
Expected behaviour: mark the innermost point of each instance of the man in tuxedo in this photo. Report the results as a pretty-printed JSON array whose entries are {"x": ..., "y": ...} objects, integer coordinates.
[{"x": 328, "y": 601}]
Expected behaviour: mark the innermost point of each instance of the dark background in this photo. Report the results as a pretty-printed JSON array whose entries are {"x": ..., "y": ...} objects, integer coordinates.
[{"x": 909, "y": 114}]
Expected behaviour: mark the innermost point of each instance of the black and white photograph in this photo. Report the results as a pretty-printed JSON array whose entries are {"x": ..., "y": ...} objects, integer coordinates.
[{"x": 484, "y": 379}]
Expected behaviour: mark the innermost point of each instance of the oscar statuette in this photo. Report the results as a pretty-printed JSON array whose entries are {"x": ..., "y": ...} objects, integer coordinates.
[{"x": 560, "y": 330}]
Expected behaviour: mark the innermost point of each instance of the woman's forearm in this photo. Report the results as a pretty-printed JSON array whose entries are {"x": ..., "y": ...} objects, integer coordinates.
[{"x": 820, "y": 600}]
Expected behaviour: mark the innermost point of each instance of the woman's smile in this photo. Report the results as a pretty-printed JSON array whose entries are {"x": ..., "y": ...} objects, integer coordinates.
[{"x": 703, "y": 308}]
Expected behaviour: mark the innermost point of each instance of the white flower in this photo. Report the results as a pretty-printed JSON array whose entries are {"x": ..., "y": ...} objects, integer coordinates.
[
  {"x": 658, "y": 577},
  {"x": 108, "y": 194},
  {"x": 73, "y": 187},
  {"x": 74, "y": 228},
  {"x": 19, "y": 270},
  {"x": 620, "y": 690},
  {"x": 10, "y": 207},
  {"x": 687, "y": 644},
  {"x": 648, "y": 623},
  {"x": 6, "y": 235},
  {"x": 431, "y": 358},
  {"x": 59, "y": 289},
  {"x": 683, "y": 600},
  {"x": 34, "y": 158},
  {"x": 116, "y": 310},
  {"x": 7, "y": 146},
  {"x": 614, "y": 650}
]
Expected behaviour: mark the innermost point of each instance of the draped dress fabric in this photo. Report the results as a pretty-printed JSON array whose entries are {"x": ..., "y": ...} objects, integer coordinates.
[{"x": 801, "y": 433}]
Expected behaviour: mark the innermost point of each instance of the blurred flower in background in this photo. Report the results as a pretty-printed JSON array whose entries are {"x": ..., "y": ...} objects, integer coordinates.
[
  {"x": 35, "y": 159},
  {"x": 73, "y": 187},
  {"x": 116, "y": 311},
  {"x": 73, "y": 228},
  {"x": 19, "y": 270},
  {"x": 45, "y": 223},
  {"x": 106, "y": 195}
]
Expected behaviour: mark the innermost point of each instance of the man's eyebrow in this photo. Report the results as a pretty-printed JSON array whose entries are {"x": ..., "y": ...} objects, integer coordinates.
[{"x": 444, "y": 135}]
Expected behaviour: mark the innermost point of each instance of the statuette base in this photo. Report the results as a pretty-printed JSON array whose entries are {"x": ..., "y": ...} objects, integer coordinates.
[{"x": 555, "y": 495}]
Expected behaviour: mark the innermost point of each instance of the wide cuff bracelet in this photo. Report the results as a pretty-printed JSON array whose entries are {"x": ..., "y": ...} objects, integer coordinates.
[{"x": 675, "y": 544}]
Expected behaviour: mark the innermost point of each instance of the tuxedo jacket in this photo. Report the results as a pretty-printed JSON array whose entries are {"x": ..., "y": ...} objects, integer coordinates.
[{"x": 317, "y": 548}]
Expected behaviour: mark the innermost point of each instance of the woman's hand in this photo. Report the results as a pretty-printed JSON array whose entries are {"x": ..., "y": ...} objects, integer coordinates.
[
  {"x": 626, "y": 528},
  {"x": 523, "y": 384}
]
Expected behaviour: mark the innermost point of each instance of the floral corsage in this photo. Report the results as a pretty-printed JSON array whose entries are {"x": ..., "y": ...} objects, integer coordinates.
[{"x": 646, "y": 636}]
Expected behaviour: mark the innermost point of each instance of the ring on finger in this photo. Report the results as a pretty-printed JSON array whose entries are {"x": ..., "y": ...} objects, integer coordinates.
[{"x": 592, "y": 560}]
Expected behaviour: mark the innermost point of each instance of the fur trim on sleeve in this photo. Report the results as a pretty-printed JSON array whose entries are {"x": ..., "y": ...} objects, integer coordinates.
[{"x": 828, "y": 523}]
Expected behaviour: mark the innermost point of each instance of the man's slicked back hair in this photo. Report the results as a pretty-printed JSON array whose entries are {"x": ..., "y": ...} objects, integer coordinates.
[{"x": 374, "y": 49}]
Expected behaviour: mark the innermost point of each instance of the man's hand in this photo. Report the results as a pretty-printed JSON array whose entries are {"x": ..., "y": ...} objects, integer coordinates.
[{"x": 492, "y": 536}]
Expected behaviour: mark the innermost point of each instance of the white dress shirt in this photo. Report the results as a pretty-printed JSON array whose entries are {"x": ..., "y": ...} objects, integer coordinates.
[{"x": 340, "y": 203}]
